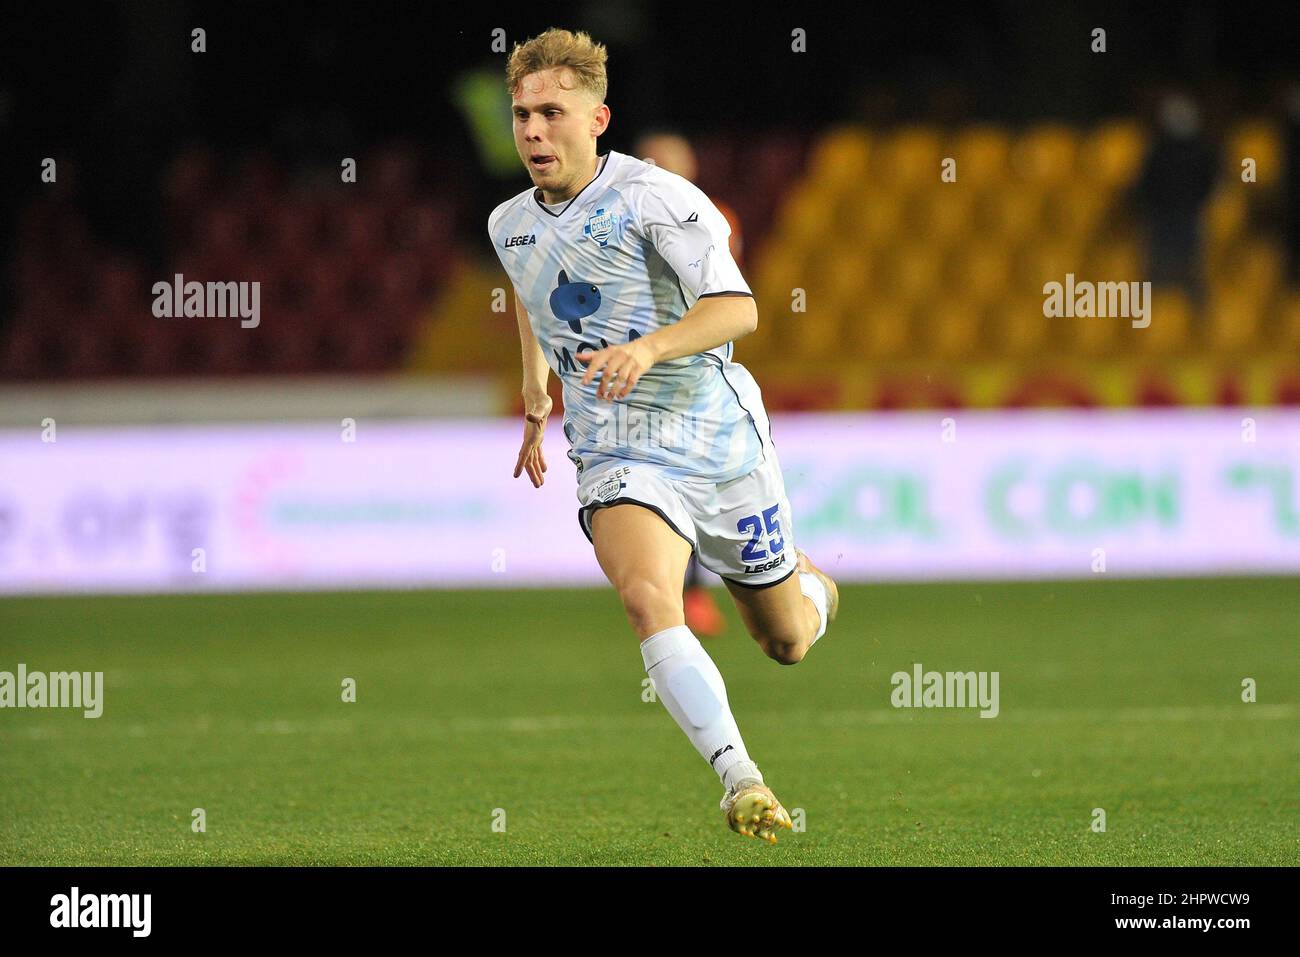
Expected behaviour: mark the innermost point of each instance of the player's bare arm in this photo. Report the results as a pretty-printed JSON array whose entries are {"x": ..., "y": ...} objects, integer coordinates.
[
  {"x": 537, "y": 402},
  {"x": 706, "y": 325}
]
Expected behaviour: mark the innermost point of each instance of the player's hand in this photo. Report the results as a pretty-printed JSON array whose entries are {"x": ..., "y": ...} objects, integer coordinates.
[
  {"x": 530, "y": 453},
  {"x": 622, "y": 366}
]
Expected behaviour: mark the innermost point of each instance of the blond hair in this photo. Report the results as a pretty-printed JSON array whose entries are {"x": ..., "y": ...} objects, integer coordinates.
[{"x": 561, "y": 48}]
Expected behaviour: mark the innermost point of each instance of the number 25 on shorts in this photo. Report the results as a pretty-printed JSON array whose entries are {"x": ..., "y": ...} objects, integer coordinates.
[{"x": 754, "y": 552}]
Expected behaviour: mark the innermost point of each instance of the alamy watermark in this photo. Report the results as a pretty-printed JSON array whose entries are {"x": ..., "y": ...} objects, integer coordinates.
[
  {"x": 56, "y": 689},
  {"x": 212, "y": 300},
  {"x": 76, "y": 909},
  {"x": 946, "y": 689},
  {"x": 1100, "y": 300},
  {"x": 624, "y": 427}
]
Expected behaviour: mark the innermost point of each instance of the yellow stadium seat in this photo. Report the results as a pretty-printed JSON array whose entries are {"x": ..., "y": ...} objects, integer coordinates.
[
  {"x": 1092, "y": 336},
  {"x": 1116, "y": 260},
  {"x": 1047, "y": 261},
  {"x": 1017, "y": 326},
  {"x": 878, "y": 328},
  {"x": 907, "y": 271},
  {"x": 1258, "y": 140},
  {"x": 1170, "y": 330},
  {"x": 1074, "y": 210},
  {"x": 1010, "y": 214},
  {"x": 1256, "y": 268},
  {"x": 878, "y": 217},
  {"x": 983, "y": 156},
  {"x": 1287, "y": 336},
  {"x": 836, "y": 276},
  {"x": 907, "y": 157},
  {"x": 815, "y": 334},
  {"x": 805, "y": 216},
  {"x": 940, "y": 214},
  {"x": 1224, "y": 216},
  {"x": 1045, "y": 154},
  {"x": 781, "y": 267},
  {"x": 1112, "y": 153},
  {"x": 1233, "y": 319},
  {"x": 841, "y": 159},
  {"x": 980, "y": 272},
  {"x": 950, "y": 330}
]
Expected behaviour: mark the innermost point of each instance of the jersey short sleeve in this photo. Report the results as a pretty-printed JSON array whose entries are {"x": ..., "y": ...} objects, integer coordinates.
[{"x": 691, "y": 235}]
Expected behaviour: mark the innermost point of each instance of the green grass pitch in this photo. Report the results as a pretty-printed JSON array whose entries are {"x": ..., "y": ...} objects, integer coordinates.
[{"x": 1120, "y": 695}]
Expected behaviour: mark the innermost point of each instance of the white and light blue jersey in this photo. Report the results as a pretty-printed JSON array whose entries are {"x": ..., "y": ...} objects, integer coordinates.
[{"x": 628, "y": 255}]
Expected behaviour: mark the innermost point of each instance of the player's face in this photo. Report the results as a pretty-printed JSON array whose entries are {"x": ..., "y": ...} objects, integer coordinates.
[{"x": 555, "y": 132}]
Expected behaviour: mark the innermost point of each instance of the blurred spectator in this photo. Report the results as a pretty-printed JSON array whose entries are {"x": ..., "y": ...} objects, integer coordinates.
[{"x": 1176, "y": 179}]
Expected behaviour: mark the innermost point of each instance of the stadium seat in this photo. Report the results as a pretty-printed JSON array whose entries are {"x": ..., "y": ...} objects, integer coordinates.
[
  {"x": 880, "y": 328},
  {"x": 1234, "y": 315},
  {"x": 940, "y": 213},
  {"x": 980, "y": 272},
  {"x": 879, "y": 216},
  {"x": 1258, "y": 140},
  {"x": 951, "y": 330},
  {"x": 906, "y": 157},
  {"x": 1047, "y": 261},
  {"x": 1224, "y": 216},
  {"x": 1111, "y": 154},
  {"x": 1288, "y": 324},
  {"x": 1045, "y": 155},
  {"x": 908, "y": 271},
  {"x": 804, "y": 217},
  {"x": 982, "y": 154},
  {"x": 1171, "y": 324},
  {"x": 1017, "y": 326},
  {"x": 1010, "y": 215},
  {"x": 840, "y": 159},
  {"x": 1074, "y": 210}
]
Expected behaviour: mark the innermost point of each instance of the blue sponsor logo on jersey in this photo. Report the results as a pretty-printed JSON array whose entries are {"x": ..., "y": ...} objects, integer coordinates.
[{"x": 574, "y": 300}]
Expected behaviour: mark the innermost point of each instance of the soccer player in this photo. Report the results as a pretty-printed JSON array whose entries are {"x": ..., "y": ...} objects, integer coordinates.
[{"x": 624, "y": 287}]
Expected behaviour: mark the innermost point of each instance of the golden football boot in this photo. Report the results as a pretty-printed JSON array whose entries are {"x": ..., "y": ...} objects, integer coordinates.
[{"x": 753, "y": 811}]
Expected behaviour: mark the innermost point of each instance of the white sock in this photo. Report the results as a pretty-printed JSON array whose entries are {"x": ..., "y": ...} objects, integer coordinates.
[
  {"x": 812, "y": 586},
  {"x": 689, "y": 684}
]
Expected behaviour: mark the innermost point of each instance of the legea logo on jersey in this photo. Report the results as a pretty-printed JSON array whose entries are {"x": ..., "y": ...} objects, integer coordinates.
[{"x": 600, "y": 226}]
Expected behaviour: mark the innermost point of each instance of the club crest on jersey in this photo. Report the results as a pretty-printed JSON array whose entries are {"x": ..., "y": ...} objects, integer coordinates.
[{"x": 600, "y": 226}]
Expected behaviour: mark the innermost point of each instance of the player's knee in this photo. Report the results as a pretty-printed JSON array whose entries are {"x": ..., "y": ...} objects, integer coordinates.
[
  {"x": 649, "y": 604},
  {"x": 785, "y": 652}
]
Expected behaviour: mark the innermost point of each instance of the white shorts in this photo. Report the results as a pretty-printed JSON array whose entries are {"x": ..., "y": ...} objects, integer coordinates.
[{"x": 740, "y": 530}]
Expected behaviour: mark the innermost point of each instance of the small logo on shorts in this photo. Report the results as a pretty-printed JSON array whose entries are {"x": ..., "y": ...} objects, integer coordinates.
[{"x": 611, "y": 486}]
